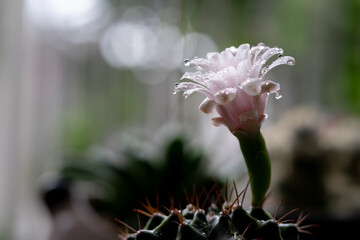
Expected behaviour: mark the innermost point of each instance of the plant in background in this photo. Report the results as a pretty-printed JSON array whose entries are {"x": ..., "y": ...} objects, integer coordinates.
[
  {"x": 234, "y": 84},
  {"x": 119, "y": 187}
]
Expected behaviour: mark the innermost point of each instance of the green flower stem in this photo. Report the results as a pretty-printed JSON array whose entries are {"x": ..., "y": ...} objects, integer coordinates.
[{"x": 258, "y": 164}]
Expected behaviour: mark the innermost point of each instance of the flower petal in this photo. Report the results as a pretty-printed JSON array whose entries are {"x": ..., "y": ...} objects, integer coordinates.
[
  {"x": 200, "y": 64},
  {"x": 201, "y": 90},
  {"x": 250, "y": 115},
  {"x": 271, "y": 52},
  {"x": 215, "y": 84},
  {"x": 226, "y": 115},
  {"x": 207, "y": 106},
  {"x": 187, "y": 93},
  {"x": 242, "y": 69},
  {"x": 233, "y": 50},
  {"x": 224, "y": 96},
  {"x": 255, "y": 70},
  {"x": 218, "y": 121},
  {"x": 281, "y": 61},
  {"x": 269, "y": 86},
  {"x": 213, "y": 56},
  {"x": 243, "y": 51},
  {"x": 189, "y": 88},
  {"x": 226, "y": 59},
  {"x": 252, "y": 86},
  {"x": 198, "y": 77},
  {"x": 229, "y": 76},
  {"x": 257, "y": 48},
  {"x": 259, "y": 52},
  {"x": 184, "y": 86}
]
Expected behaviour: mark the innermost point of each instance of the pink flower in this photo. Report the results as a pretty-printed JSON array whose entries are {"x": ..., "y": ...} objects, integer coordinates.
[{"x": 234, "y": 84}]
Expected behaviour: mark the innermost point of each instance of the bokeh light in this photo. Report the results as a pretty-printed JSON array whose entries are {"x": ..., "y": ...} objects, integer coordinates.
[{"x": 140, "y": 41}]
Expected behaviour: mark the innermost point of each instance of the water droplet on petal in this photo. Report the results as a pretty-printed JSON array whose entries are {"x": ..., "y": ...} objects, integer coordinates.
[
  {"x": 264, "y": 70},
  {"x": 186, "y": 95},
  {"x": 187, "y": 62},
  {"x": 174, "y": 92},
  {"x": 291, "y": 62},
  {"x": 280, "y": 56}
]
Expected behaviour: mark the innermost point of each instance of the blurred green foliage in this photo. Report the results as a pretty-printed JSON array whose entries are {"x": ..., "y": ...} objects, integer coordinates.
[
  {"x": 173, "y": 173},
  {"x": 352, "y": 55},
  {"x": 104, "y": 106}
]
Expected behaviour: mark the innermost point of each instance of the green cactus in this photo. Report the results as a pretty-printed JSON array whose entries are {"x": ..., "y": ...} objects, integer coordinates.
[{"x": 224, "y": 221}]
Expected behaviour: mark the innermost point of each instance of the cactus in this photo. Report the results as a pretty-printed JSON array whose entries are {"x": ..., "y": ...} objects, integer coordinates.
[{"x": 222, "y": 221}]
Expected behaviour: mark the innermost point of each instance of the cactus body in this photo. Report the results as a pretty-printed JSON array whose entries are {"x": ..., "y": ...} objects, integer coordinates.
[{"x": 233, "y": 224}]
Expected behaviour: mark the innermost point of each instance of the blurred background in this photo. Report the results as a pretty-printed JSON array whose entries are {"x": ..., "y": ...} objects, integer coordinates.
[{"x": 86, "y": 94}]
